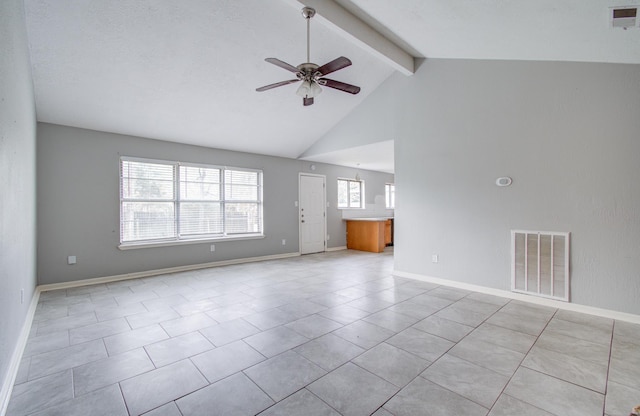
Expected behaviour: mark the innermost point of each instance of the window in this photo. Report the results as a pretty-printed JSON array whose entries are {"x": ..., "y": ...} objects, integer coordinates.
[
  {"x": 350, "y": 193},
  {"x": 163, "y": 201},
  {"x": 390, "y": 195}
]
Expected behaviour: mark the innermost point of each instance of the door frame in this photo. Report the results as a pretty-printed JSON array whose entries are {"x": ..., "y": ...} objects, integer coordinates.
[{"x": 324, "y": 207}]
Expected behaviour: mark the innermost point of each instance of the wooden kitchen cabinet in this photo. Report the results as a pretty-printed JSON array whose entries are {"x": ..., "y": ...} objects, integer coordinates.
[
  {"x": 388, "y": 232},
  {"x": 369, "y": 234}
]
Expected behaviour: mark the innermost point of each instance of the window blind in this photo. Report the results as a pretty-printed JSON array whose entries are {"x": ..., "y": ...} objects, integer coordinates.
[{"x": 163, "y": 200}]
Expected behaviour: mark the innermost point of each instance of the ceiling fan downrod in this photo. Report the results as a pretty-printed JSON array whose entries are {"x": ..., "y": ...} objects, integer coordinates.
[{"x": 308, "y": 13}]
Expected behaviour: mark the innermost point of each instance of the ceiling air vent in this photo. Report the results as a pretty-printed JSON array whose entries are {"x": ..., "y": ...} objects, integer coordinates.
[{"x": 624, "y": 17}]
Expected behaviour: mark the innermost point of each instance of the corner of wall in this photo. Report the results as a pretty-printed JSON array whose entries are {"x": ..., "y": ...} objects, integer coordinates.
[{"x": 17, "y": 179}]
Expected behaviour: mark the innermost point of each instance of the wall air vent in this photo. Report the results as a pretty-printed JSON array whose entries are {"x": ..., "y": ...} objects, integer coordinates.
[
  {"x": 624, "y": 17},
  {"x": 540, "y": 264}
]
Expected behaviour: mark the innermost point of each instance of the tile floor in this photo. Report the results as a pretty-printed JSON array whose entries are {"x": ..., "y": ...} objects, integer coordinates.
[{"x": 323, "y": 334}]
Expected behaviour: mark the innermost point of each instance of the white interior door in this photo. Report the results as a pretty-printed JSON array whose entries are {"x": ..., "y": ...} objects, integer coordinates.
[{"x": 312, "y": 214}]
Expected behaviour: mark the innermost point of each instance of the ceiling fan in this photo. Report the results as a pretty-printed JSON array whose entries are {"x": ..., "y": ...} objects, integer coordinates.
[{"x": 312, "y": 75}]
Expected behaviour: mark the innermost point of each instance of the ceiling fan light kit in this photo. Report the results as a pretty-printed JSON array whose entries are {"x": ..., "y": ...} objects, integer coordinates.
[
  {"x": 312, "y": 75},
  {"x": 309, "y": 89}
]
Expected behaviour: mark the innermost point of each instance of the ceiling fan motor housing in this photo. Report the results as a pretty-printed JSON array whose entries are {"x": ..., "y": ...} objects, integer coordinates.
[{"x": 308, "y": 71}]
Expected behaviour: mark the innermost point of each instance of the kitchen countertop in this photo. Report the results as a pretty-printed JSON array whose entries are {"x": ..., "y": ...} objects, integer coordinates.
[{"x": 368, "y": 219}]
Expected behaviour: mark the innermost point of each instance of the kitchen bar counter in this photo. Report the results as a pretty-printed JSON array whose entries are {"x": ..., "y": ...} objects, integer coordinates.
[{"x": 369, "y": 234}]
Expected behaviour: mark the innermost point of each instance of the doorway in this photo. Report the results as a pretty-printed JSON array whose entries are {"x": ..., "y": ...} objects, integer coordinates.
[{"x": 312, "y": 213}]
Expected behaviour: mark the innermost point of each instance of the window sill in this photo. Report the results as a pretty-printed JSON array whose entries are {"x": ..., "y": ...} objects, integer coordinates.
[{"x": 148, "y": 244}]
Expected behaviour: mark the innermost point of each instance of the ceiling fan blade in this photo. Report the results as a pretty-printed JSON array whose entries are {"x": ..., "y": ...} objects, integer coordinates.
[
  {"x": 334, "y": 65},
  {"x": 277, "y": 84},
  {"x": 342, "y": 86},
  {"x": 307, "y": 101},
  {"x": 281, "y": 64}
]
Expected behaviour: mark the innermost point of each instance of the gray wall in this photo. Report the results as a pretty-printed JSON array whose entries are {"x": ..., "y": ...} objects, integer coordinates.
[
  {"x": 17, "y": 179},
  {"x": 78, "y": 204},
  {"x": 371, "y": 122},
  {"x": 569, "y": 136}
]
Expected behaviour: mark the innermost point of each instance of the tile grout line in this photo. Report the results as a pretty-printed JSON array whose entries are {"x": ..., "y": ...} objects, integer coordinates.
[
  {"x": 461, "y": 339},
  {"x": 441, "y": 355},
  {"x": 606, "y": 385},
  {"x": 520, "y": 364},
  {"x": 126, "y": 406}
]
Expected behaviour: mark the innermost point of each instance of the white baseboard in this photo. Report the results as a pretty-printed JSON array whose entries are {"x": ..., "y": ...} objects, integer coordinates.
[
  {"x": 336, "y": 248},
  {"x": 148, "y": 273},
  {"x": 16, "y": 357},
  {"x": 606, "y": 313}
]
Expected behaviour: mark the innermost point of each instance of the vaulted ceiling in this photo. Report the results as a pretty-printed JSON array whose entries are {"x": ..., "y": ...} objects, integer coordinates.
[{"x": 186, "y": 71}]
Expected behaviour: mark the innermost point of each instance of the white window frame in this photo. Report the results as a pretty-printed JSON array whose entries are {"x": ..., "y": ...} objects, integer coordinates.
[
  {"x": 349, "y": 181},
  {"x": 390, "y": 195},
  {"x": 179, "y": 239}
]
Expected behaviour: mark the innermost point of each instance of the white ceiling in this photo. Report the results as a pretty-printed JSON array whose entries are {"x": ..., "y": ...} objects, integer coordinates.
[
  {"x": 186, "y": 71},
  {"x": 375, "y": 156},
  {"x": 545, "y": 30}
]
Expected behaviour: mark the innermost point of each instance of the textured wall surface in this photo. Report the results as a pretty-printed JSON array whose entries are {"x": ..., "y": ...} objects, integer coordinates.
[
  {"x": 17, "y": 179},
  {"x": 78, "y": 204},
  {"x": 567, "y": 133}
]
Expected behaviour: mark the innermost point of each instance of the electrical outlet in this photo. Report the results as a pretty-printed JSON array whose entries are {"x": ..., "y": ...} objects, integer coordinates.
[
  {"x": 284, "y": 242},
  {"x": 212, "y": 248},
  {"x": 434, "y": 258},
  {"x": 71, "y": 260}
]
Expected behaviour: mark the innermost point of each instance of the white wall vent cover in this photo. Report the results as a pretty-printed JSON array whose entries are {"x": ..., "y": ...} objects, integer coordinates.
[
  {"x": 624, "y": 17},
  {"x": 540, "y": 264}
]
